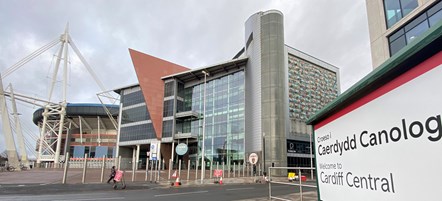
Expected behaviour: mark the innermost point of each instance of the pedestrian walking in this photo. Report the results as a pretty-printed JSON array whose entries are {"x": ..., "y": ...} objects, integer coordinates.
[{"x": 112, "y": 174}]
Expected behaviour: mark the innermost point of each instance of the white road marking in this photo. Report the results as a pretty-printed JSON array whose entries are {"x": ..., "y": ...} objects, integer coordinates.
[
  {"x": 85, "y": 199},
  {"x": 187, "y": 193},
  {"x": 238, "y": 189}
]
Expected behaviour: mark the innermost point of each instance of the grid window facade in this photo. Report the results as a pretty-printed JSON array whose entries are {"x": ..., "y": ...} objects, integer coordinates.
[
  {"x": 134, "y": 115},
  {"x": 134, "y": 118},
  {"x": 395, "y": 10},
  {"x": 168, "y": 108},
  {"x": 169, "y": 89},
  {"x": 224, "y": 129},
  {"x": 133, "y": 98},
  {"x": 92, "y": 152},
  {"x": 137, "y": 132},
  {"x": 167, "y": 128},
  {"x": 414, "y": 28},
  {"x": 311, "y": 87}
]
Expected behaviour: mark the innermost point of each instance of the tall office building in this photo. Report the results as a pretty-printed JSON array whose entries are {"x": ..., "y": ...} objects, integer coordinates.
[
  {"x": 255, "y": 103},
  {"x": 393, "y": 24}
]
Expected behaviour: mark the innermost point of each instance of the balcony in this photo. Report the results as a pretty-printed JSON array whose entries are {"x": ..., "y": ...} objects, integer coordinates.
[
  {"x": 180, "y": 135},
  {"x": 187, "y": 114}
]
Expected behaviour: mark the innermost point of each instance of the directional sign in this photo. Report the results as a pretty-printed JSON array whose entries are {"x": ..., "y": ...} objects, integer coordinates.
[
  {"x": 181, "y": 149},
  {"x": 253, "y": 158}
]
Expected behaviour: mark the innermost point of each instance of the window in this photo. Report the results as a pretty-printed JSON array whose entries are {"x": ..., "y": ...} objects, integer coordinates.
[
  {"x": 167, "y": 128},
  {"x": 168, "y": 108},
  {"x": 132, "y": 98},
  {"x": 415, "y": 28},
  {"x": 137, "y": 132},
  {"x": 435, "y": 14},
  {"x": 134, "y": 115},
  {"x": 168, "y": 89},
  {"x": 397, "y": 9}
]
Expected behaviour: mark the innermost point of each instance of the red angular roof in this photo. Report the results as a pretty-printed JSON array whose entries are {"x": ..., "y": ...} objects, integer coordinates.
[{"x": 149, "y": 71}]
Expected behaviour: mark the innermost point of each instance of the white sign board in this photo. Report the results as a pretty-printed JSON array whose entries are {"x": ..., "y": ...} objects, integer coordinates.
[
  {"x": 155, "y": 150},
  {"x": 253, "y": 158},
  {"x": 389, "y": 147}
]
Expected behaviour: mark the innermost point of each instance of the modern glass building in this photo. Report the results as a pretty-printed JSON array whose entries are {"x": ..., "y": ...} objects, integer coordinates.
[
  {"x": 255, "y": 103},
  {"x": 214, "y": 102},
  {"x": 393, "y": 24}
]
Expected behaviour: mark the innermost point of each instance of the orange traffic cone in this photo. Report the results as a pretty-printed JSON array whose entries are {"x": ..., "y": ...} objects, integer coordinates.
[
  {"x": 221, "y": 180},
  {"x": 177, "y": 181}
]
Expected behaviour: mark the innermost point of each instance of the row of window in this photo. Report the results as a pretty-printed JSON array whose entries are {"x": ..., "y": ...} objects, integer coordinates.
[
  {"x": 300, "y": 147},
  {"x": 224, "y": 134},
  {"x": 92, "y": 152},
  {"x": 137, "y": 132},
  {"x": 397, "y": 9},
  {"x": 415, "y": 28},
  {"x": 132, "y": 98},
  {"x": 135, "y": 114},
  {"x": 169, "y": 89},
  {"x": 92, "y": 140},
  {"x": 167, "y": 128},
  {"x": 168, "y": 108}
]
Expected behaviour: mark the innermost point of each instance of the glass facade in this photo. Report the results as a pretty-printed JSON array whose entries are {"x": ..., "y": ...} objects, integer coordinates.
[
  {"x": 224, "y": 134},
  {"x": 136, "y": 114},
  {"x": 311, "y": 87},
  {"x": 135, "y": 118},
  {"x": 415, "y": 28},
  {"x": 397, "y": 9},
  {"x": 92, "y": 151}
]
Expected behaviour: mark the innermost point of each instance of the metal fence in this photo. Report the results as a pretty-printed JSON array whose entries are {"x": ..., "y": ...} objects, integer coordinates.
[
  {"x": 158, "y": 171},
  {"x": 302, "y": 177}
]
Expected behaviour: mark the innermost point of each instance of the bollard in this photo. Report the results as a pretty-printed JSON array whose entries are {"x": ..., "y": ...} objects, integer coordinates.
[
  {"x": 133, "y": 170},
  {"x": 179, "y": 168},
  {"x": 223, "y": 168},
  {"x": 151, "y": 172},
  {"x": 210, "y": 172},
  {"x": 170, "y": 165},
  {"x": 300, "y": 185},
  {"x": 84, "y": 168},
  {"x": 156, "y": 171},
  {"x": 196, "y": 169},
  {"x": 188, "y": 170},
  {"x": 159, "y": 170},
  {"x": 147, "y": 169},
  {"x": 65, "y": 172},
  {"x": 102, "y": 168},
  {"x": 234, "y": 169},
  {"x": 239, "y": 170},
  {"x": 134, "y": 153},
  {"x": 119, "y": 162}
]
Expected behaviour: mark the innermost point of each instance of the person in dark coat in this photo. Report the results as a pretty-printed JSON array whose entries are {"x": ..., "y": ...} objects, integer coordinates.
[{"x": 112, "y": 175}]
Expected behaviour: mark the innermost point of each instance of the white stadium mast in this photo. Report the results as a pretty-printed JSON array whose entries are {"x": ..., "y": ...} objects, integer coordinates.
[{"x": 54, "y": 121}]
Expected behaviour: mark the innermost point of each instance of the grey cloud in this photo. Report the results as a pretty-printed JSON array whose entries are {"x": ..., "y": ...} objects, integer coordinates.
[{"x": 190, "y": 33}]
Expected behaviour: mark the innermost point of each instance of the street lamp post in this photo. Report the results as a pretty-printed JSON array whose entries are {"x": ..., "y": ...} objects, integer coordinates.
[
  {"x": 263, "y": 152},
  {"x": 203, "y": 167},
  {"x": 311, "y": 157}
]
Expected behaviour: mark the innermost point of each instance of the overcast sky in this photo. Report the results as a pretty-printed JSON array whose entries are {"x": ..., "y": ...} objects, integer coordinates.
[{"x": 190, "y": 33}]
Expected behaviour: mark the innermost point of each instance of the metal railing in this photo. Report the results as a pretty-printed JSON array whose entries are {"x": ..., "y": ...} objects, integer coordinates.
[
  {"x": 280, "y": 176},
  {"x": 158, "y": 171}
]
